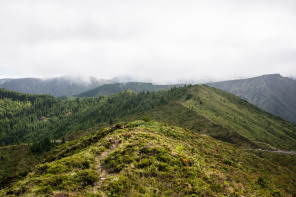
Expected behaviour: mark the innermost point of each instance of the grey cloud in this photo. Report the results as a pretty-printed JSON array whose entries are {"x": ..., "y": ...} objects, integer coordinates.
[{"x": 161, "y": 41}]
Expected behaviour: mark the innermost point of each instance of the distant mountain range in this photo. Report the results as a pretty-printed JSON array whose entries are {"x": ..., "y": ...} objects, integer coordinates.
[
  {"x": 109, "y": 89},
  {"x": 273, "y": 93},
  {"x": 80, "y": 87},
  {"x": 59, "y": 86}
]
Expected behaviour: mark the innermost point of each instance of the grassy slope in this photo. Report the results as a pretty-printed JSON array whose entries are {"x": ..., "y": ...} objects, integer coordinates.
[
  {"x": 225, "y": 117},
  {"x": 214, "y": 112},
  {"x": 273, "y": 93},
  {"x": 288, "y": 160},
  {"x": 222, "y": 115},
  {"x": 149, "y": 158},
  {"x": 242, "y": 117},
  {"x": 16, "y": 159}
]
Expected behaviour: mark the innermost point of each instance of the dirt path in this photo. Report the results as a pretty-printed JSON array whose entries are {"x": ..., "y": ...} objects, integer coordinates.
[
  {"x": 101, "y": 169},
  {"x": 274, "y": 151}
]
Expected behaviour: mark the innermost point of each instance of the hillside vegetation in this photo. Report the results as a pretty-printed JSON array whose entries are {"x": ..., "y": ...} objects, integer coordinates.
[
  {"x": 146, "y": 158},
  {"x": 273, "y": 93},
  {"x": 37, "y": 119},
  {"x": 16, "y": 159},
  {"x": 44, "y": 116},
  {"x": 200, "y": 108}
]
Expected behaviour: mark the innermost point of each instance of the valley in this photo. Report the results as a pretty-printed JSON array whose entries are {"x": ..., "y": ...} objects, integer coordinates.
[{"x": 34, "y": 129}]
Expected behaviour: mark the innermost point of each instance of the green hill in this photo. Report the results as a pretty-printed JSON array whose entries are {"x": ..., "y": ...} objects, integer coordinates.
[
  {"x": 59, "y": 86},
  {"x": 222, "y": 115},
  {"x": 33, "y": 118},
  {"x": 16, "y": 159},
  {"x": 273, "y": 93},
  {"x": 109, "y": 89},
  {"x": 200, "y": 108},
  {"x": 146, "y": 158}
]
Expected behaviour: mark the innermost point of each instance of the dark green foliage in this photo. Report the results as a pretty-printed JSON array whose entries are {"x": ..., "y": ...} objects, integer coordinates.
[
  {"x": 15, "y": 161},
  {"x": 262, "y": 182},
  {"x": 45, "y": 116},
  {"x": 276, "y": 193},
  {"x": 43, "y": 146},
  {"x": 146, "y": 118},
  {"x": 86, "y": 178},
  {"x": 189, "y": 96}
]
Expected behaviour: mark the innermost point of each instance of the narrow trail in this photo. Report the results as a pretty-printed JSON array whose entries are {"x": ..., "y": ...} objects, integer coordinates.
[
  {"x": 273, "y": 151},
  {"x": 101, "y": 169}
]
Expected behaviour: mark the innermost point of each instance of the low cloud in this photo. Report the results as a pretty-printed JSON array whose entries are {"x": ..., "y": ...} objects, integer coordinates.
[{"x": 160, "y": 41}]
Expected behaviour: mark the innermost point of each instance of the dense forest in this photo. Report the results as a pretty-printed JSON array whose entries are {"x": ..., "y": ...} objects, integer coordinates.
[{"x": 27, "y": 118}]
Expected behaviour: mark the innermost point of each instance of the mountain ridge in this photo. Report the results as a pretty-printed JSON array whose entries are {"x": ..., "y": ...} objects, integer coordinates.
[
  {"x": 109, "y": 89},
  {"x": 32, "y": 119},
  {"x": 58, "y": 86},
  {"x": 149, "y": 158},
  {"x": 205, "y": 110},
  {"x": 273, "y": 93}
]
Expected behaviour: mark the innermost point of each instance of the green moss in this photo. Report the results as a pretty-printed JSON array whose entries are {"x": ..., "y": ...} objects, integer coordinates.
[
  {"x": 151, "y": 163},
  {"x": 86, "y": 178}
]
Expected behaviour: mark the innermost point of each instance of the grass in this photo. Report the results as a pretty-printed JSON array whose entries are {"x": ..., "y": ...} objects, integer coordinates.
[
  {"x": 223, "y": 116},
  {"x": 240, "y": 116},
  {"x": 16, "y": 159},
  {"x": 147, "y": 158}
]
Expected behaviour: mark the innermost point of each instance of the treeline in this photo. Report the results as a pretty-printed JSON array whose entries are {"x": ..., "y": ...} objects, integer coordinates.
[
  {"x": 46, "y": 116},
  {"x": 16, "y": 96},
  {"x": 44, "y": 145}
]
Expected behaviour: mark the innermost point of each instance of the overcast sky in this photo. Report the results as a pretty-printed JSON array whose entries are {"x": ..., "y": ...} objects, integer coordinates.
[{"x": 158, "y": 40}]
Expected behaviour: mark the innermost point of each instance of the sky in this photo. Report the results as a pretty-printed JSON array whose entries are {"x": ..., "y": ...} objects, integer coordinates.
[{"x": 163, "y": 41}]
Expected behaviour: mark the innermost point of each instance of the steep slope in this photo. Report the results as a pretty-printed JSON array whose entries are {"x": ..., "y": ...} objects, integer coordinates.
[
  {"x": 200, "y": 108},
  {"x": 30, "y": 118},
  {"x": 60, "y": 86},
  {"x": 226, "y": 117},
  {"x": 110, "y": 89},
  {"x": 22, "y": 114},
  {"x": 152, "y": 159},
  {"x": 16, "y": 159},
  {"x": 41, "y": 116},
  {"x": 273, "y": 93}
]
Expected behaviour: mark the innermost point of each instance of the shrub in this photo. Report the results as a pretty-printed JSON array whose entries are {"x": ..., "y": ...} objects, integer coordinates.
[
  {"x": 144, "y": 163},
  {"x": 227, "y": 162},
  {"x": 262, "y": 182},
  {"x": 276, "y": 193},
  {"x": 86, "y": 177},
  {"x": 118, "y": 186},
  {"x": 146, "y": 119}
]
